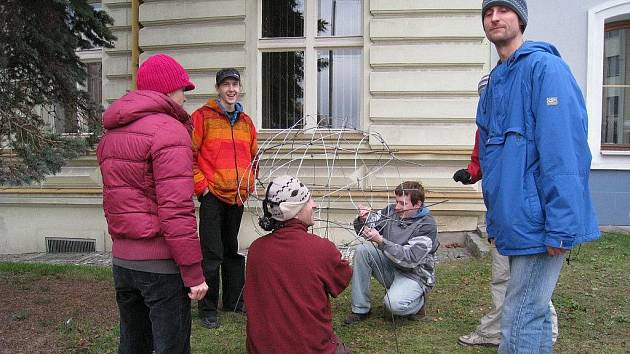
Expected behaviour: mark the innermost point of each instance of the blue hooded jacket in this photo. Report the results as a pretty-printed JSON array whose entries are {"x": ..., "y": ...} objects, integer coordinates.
[{"x": 534, "y": 154}]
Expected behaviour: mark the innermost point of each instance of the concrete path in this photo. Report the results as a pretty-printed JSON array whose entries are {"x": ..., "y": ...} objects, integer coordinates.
[{"x": 449, "y": 251}]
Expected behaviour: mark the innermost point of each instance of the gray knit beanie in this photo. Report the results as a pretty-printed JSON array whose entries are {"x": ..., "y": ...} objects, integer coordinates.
[
  {"x": 519, "y": 6},
  {"x": 286, "y": 196}
]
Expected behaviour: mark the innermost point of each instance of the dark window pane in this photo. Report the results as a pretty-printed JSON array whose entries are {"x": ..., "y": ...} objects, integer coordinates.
[
  {"x": 282, "y": 18},
  {"x": 340, "y": 18},
  {"x": 282, "y": 89},
  {"x": 616, "y": 116},
  {"x": 339, "y": 87},
  {"x": 612, "y": 66},
  {"x": 615, "y": 47},
  {"x": 95, "y": 82},
  {"x": 71, "y": 119},
  {"x": 68, "y": 120}
]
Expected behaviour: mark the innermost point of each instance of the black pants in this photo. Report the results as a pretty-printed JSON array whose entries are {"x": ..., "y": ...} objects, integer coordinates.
[
  {"x": 218, "y": 229},
  {"x": 154, "y": 312}
]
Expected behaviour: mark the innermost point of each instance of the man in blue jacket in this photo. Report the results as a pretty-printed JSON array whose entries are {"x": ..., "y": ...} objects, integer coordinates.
[{"x": 535, "y": 161}]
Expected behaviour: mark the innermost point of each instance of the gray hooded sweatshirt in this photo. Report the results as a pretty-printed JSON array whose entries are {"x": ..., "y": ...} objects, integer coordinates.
[{"x": 410, "y": 244}]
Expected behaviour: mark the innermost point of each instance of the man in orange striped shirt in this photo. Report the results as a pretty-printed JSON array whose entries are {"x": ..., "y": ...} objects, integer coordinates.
[{"x": 224, "y": 147}]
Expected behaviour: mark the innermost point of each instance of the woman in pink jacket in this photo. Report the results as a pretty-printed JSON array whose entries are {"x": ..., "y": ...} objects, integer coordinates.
[{"x": 146, "y": 163}]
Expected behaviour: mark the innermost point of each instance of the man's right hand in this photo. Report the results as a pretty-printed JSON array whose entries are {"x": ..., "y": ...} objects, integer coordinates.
[
  {"x": 198, "y": 292},
  {"x": 363, "y": 211},
  {"x": 462, "y": 176}
]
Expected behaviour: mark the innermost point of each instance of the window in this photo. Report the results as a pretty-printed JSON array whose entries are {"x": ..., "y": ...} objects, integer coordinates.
[
  {"x": 68, "y": 120},
  {"x": 94, "y": 82},
  {"x": 606, "y": 117},
  {"x": 616, "y": 87},
  {"x": 283, "y": 88},
  {"x": 339, "y": 93},
  {"x": 311, "y": 60},
  {"x": 64, "y": 118}
]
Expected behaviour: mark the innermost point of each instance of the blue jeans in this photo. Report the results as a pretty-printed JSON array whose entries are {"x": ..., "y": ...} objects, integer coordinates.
[
  {"x": 154, "y": 312},
  {"x": 526, "y": 323},
  {"x": 404, "y": 296}
]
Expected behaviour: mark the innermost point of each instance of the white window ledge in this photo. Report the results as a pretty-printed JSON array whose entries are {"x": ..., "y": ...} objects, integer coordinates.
[{"x": 615, "y": 152}]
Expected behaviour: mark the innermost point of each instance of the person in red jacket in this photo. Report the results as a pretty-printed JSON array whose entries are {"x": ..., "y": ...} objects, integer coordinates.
[
  {"x": 146, "y": 163},
  {"x": 291, "y": 274},
  {"x": 472, "y": 173},
  {"x": 224, "y": 146}
]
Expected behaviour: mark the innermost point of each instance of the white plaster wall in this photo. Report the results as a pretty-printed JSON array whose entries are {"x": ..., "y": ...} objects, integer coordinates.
[
  {"x": 117, "y": 60},
  {"x": 425, "y": 60},
  {"x": 24, "y": 226}
]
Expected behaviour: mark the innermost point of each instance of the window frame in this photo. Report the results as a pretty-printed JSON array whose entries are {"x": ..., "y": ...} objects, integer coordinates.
[
  {"x": 88, "y": 56},
  {"x": 598, "y": 16},
  {"x": 310, "y": 44}
]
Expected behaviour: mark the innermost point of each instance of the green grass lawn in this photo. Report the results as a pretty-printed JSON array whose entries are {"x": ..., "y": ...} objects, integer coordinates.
[{"x": 592, "y": 300}]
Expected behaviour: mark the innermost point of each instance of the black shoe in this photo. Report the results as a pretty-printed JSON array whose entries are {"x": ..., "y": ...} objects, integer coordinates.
[
  {"x": 356, "y": 317},
  {"x": 420, "y": 315},
  {"x": 210, "y": 322}
]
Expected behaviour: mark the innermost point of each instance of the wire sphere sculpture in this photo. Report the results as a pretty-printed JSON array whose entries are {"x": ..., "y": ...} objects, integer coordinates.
[{"x": 343, "y": 168}]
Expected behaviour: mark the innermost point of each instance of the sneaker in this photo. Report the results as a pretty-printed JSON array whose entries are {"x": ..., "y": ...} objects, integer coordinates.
[
  {"x": 210, "y": 322},
  {"x": 476, "y": 339},
  {"x": 356, "y": 317}
]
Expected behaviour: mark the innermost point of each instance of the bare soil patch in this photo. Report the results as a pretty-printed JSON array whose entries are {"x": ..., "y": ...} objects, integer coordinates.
[{"x": 55, "y": 313}]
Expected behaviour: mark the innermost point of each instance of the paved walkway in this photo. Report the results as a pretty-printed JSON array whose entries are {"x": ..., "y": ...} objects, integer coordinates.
[
  {"x": 445, "y": 252},
  {"x": 96, "y": 258}
]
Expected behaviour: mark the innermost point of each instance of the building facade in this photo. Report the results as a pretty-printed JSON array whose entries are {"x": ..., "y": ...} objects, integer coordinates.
[{"x": 404, "y": 69}]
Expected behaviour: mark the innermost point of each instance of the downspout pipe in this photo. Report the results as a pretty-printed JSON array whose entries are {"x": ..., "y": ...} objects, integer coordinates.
[{"x": 135, "y": 41}]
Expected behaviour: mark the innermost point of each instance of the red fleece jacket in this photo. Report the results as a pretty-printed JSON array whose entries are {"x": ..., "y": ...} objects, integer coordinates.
[
  {"x": 290, "y": 275},
  {"x": 473, "y": 167}
]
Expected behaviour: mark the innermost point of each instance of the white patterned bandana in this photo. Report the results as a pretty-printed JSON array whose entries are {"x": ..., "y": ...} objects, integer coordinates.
[{"x": 286, "y": 197}]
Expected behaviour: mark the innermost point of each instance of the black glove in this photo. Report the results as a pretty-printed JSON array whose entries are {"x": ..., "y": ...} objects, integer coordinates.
[{"x": 462, "y": 176}]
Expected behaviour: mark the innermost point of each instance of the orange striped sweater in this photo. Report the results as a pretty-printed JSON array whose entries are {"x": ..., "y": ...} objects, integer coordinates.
[{"x": 223, "y": 154}]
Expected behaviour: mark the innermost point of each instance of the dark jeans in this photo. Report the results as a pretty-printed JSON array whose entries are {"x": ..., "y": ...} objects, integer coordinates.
[
  {"x": 154, "y": 312},
  {"x": 218, "y": 229}
]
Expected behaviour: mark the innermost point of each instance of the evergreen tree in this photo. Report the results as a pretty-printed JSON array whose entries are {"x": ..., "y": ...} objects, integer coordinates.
[{"x": 40, "y": 71}]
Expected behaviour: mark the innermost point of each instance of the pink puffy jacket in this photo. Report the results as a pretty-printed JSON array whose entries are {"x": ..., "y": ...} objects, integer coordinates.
[{"x": 146, "y": 164}]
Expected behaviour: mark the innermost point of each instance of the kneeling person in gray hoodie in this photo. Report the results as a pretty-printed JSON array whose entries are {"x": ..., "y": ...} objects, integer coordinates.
[{"x": 400, "y": 254}]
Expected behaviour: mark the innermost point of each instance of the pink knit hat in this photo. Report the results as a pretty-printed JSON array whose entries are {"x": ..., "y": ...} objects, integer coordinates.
[{"x": 163, "y": 74}]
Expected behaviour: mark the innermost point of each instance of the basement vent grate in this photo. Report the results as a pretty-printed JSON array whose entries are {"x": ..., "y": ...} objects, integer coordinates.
[{"x": 70, "y": 245}]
